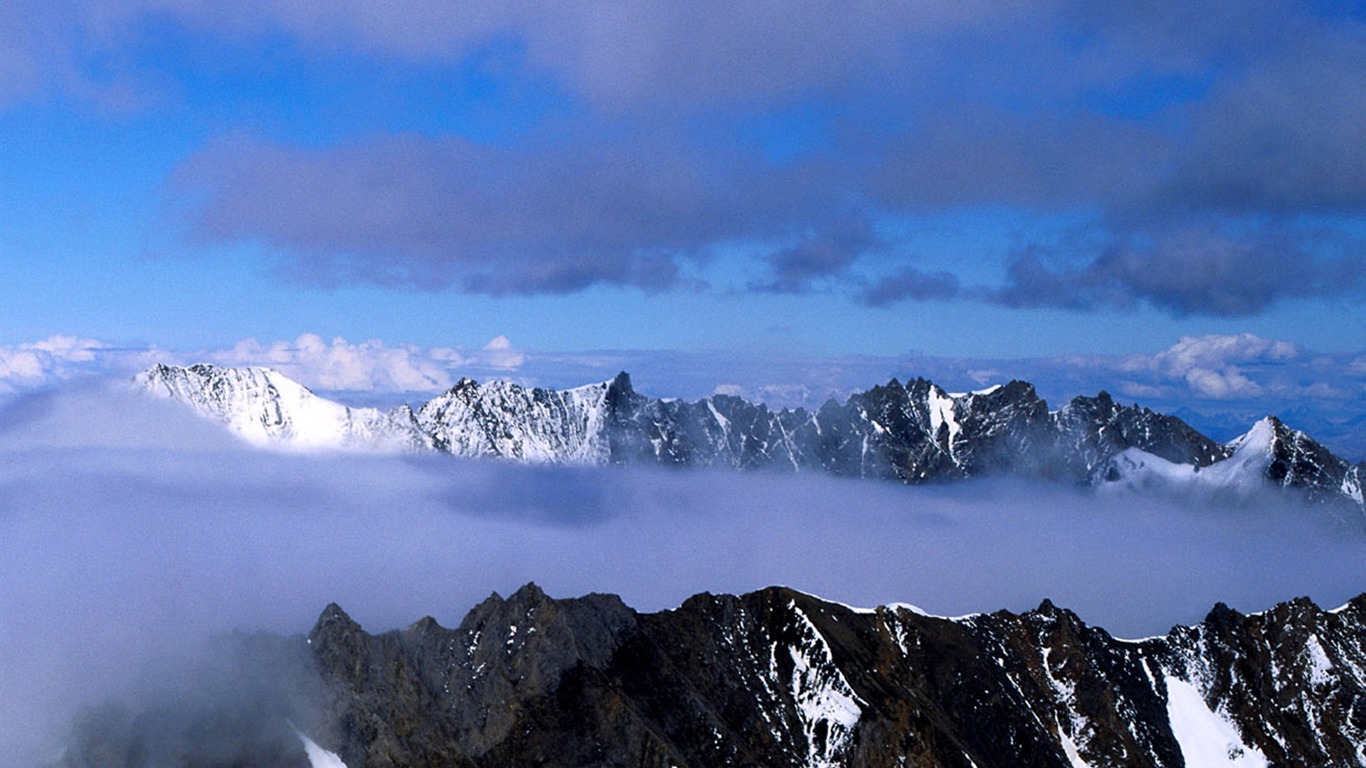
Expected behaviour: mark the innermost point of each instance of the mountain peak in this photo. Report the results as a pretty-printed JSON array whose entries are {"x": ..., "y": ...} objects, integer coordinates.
[
  {"x": 622, "y": 383},
  {"x": 916, "y": 433}
]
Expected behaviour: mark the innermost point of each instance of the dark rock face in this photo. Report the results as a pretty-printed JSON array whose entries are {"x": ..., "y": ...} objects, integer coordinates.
[
  {"x": 779, "y": 678},
  {"x": 1297, "y": 461},
  {"x": 1093, "y": 429}
]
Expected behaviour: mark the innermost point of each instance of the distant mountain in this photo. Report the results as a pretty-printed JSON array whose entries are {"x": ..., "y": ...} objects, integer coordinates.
[
  {"x": 773, "y": 678},
  {"x": 914, "y": 433}
]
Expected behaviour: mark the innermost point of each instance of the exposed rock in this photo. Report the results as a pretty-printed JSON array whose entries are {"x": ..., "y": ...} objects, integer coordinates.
[{"x": 780, "y": 678}]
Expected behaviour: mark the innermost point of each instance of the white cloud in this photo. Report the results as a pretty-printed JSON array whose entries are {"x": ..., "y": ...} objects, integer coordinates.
[
  {"x": 1216, "y": 351},
  {"x": 337, "y": 365},
  {"x": 341, "y": 365},
  {"x": 1228, "y": 383},
  {"x": 500, "y": 354},
  {"x": 37, "y": 363},
  {"x": 1214, "y": 366}
]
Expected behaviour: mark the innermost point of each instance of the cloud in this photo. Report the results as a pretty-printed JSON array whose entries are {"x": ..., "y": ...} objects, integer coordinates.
[
  {"x": 1285, "y": 137},
  {"x": 341, "y": 365},
  {"x": 337, "y": 367},
  {"x": 499, "y": 353},
  {"x": 818, "y": 257},
  {"x": 372, "y": 366},
  {"x": 41, "y": 363},
  {"x": 1217, "y": 351},
  {"x": 1189, "y": 270},
  {"x": 1238, "y": 367},
  {"x": 1245, "y": 113},
  {"x": 120, "y": 557},
  {"x": 432, "y": 213},
  {"x": 616, "y": 54},
  {"x": 910, "y": 284}
]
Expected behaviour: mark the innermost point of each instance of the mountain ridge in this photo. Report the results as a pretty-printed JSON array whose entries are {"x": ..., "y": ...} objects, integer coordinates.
[
  {"x": 913, "y": 433},
  {"x": 779, "y": 677}
]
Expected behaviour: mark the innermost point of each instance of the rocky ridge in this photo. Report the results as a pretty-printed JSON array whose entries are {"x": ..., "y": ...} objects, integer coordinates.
[
  {"x": 913, "y": 432},
  {"x": 781, "y": 678}
]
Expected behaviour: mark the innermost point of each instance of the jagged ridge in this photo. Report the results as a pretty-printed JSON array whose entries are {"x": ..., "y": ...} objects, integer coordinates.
[
  {"x": 913, "y": 433},
  {"x": 780, "y": 678}
]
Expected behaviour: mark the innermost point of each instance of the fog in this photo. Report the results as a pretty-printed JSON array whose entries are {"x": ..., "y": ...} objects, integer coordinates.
[{"x": 131, "y": 532}]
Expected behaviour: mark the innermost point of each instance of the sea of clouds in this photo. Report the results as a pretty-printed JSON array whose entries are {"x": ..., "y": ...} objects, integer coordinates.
[{"x": 131, "y": 532}]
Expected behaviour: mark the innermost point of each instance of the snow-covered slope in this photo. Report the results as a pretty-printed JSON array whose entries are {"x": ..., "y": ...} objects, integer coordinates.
[
  {"x": 269, "y": 409},
  {"x": 511, "y": 421},
  {"x": 913, "y": 433},
  {"x": 1269, "y": 454}
]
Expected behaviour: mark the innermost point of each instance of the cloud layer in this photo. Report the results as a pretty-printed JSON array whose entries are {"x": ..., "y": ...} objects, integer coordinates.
[
  {"x": 1207, "y": 157},
  {"x": 121, "y": 554}
]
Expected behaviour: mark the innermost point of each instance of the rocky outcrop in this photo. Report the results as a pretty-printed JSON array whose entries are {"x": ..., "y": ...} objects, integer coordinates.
[{"x": 781, "y": 678}]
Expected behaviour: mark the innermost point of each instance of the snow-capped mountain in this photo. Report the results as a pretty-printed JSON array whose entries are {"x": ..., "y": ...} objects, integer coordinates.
[
  {"x": 775, "y": 678},
  {"x": 511, "y": 421},
  {"x": 913, "y": 433},
  {"x": 269, "y": 409},
  {"x": 1270, "y": 452}
]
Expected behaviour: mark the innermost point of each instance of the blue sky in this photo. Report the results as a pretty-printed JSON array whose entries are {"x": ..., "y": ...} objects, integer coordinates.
[{"x": 952, "y": 180}]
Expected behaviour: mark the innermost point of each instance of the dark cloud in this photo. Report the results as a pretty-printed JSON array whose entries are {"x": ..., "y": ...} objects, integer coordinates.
[
  {"x": 1248, "y": 111},
  {"x": 1191, "y": 270},
  {"x": 1284, "y": 138},
  {"x": 910, "y": 284},
  {"x": 819, "y": 257},
  {"x": 410, "y": 211}
]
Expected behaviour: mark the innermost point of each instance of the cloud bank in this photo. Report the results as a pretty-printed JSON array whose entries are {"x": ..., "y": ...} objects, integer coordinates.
[
  {"x": 122, "y": 551},
  {"x": 1206, "y": 156}
]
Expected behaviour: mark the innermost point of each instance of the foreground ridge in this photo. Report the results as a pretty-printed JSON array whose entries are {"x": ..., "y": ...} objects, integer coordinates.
[
  {"x": 782, "y": 678},
  {"x": 914, "y": 433}
]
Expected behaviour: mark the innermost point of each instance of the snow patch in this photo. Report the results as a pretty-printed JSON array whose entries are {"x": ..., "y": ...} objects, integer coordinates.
[
  {"x": 1207, "y": 739},
  {"x": 317, "y": 756},
  {"x": 1320, "y": 668},
  {"x": 828, "y": 706}
]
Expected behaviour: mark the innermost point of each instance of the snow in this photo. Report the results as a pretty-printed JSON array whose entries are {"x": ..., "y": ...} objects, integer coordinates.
[
  {"x": 1207, "y": 739},
  {"x": 1351, "y": 487},
  {"x": 822, "y": 694},
  {"x": 1070, "y": 748},
  {"x": 537, "y": 426},
  {"x": 908, "y": 607},
  {"x": 1066, "y": 693},
  {"x": 977, "y": 392},
  {"x": 267, "y": 409},
  {"x": 1242, "y": 473},
  {"x": 1320, "y": 668},
  {"x": 721, "y": 420},
  {"x": 941, "y": 408},
  {"x": 317, "y": 756}
]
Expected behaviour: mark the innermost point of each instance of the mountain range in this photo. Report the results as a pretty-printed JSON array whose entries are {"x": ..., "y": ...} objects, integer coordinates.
[
  {"x": 913, "y": 433},
  {"x": 772, "y": 678}
]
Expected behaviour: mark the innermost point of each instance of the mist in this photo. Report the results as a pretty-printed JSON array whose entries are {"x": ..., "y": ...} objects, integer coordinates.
[{"x": 131, "y": 533}]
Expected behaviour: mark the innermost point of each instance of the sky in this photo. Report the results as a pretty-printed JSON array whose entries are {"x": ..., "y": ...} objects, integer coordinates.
[{"x": 947, "y": 178}]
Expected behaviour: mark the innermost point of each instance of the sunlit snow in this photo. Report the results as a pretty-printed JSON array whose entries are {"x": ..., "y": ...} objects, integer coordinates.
[{"x": 1207, "y": 739}]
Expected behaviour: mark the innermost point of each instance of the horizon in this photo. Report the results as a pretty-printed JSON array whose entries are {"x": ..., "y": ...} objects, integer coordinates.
[
  {"x": 1219, "y": 384},
  {"x": 1167, "y": 202}
]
